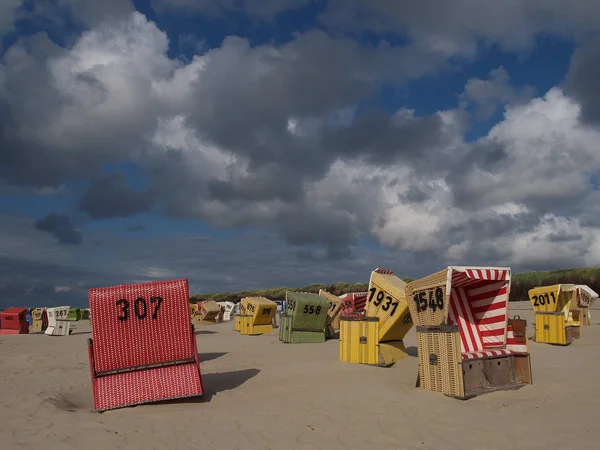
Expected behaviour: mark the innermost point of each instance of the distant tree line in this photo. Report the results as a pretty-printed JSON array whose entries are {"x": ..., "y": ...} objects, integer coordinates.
[{"x": 521, "y": 283}]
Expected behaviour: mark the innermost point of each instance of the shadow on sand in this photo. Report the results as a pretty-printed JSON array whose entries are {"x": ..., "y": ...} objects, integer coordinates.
[
  {"x": 224, "y": 381},
  {"x": 412, "y": 351},
  {"x": 213, "y": 383},
  {"x": 73, "y": 332},
  {"x": 210, "y": 356},
  {"x": 197, "y": 332}
]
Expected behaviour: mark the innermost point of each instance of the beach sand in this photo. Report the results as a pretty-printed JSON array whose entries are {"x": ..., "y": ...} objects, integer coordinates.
[{"x": 263, "y": 394}]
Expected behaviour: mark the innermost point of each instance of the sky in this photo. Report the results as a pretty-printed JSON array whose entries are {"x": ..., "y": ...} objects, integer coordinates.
[{"x": 246, "y": 144}]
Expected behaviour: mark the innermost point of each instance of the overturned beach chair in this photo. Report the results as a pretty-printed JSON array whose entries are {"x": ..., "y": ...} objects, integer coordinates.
[
  {"x": 305, "y": 318},
  {"x": 587, "y": 296},
  {"x": 556, "y": 313},
  {"x": 209, "y": 311},
  {"x": 143, "y": 346},
  {"x": 14, "y": 321},
  {"x": 259, "y": 315},
  {"x": 335, "y": 306},
  {"x": 467, "y": 345},
  {"x": 58, "y": 325},
  {"x": 376, "y": 338}
]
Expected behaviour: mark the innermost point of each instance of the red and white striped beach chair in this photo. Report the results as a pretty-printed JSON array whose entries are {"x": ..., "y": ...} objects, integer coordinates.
[
  {"x": 143, "y": 346},
  {"x": 467, "y": 344},
  {"x": 354, "y": 303}
]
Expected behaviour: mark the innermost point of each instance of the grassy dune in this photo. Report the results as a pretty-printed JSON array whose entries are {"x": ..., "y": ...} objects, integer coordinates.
[{"x": 521, "y": 283}]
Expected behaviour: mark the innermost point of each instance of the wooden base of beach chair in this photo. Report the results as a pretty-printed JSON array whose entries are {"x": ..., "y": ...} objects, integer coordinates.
[
  {"x": 552, "y": 328},
  {"x": 330, "y": 332},
  {"x": 443, "y": 368},
  {"x": 391, "y": 352},
  {"x": 250, "y": 329},
  {"x": 359, "y": 343}
]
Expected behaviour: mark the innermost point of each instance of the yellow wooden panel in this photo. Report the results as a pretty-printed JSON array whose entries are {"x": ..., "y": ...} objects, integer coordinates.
[
  {"x": 550, "y": 329},
  {"x": 245, "y": 323},
  {"x": 553, "y": 298},
  {"x": 359, "y": 341},
  {"x": 261, "y": 309},
  {"x": 369, "y": 350},
  {"x": 345, "y": 341},
  {"x": 254, "y": 329},
  {"x": 386, "y": 300}
]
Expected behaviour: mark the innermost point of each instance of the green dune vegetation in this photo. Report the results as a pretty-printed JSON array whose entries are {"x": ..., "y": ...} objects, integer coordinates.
[{"x": 521, "y": 283}]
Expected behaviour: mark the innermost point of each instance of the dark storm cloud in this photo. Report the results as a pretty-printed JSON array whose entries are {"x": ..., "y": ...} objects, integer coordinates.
[
  {"x": 31, "y": 284},
  {"x": 8, "y": 10},
  {"x": 59, "y": 14},
  {"x": 211, "y": 264},
  {"x": 247, "y": 94},
  {"x": 265, "y": 9},
  {"x": 513, "y": 25},
  {"x": 266, "y": 125},
  {"x": 382, "y": 139},
  {"x": 61, "y": 227},
  {"x": 136, "y": 228},
  {"x": 49, "y": 132},
  {"x": 582, "y": 80},
  {"x": 110, "y": 196},
  {"x": 501, "y": 225}
]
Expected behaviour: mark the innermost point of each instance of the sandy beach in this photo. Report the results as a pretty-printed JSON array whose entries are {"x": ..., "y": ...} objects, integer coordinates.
[{"x": 263, "y": 394}]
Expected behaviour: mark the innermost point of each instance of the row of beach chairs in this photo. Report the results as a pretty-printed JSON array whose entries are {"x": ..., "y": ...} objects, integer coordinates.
[{"x": 143, "y": 345}]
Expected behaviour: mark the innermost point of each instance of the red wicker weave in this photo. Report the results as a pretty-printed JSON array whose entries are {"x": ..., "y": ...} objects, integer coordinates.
[{"x": 143, "y": 348}]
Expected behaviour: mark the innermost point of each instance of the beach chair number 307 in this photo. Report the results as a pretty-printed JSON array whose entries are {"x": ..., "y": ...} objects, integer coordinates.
[{"x": 140, "y": 308}]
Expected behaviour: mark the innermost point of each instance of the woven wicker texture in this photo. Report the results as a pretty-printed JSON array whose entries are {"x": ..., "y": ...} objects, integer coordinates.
[
  {"x": 145, "y": 386},
  {"x": 478, "y": 303},
  {"x": 430, "y": 288},
  {"x": 386, "y": 300},
  {"x": 444, "y": 373},
  {"x": 335, "y": 305},
  {"x": 261, "y": 309},
  {"x": 141, "y": 324}
]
